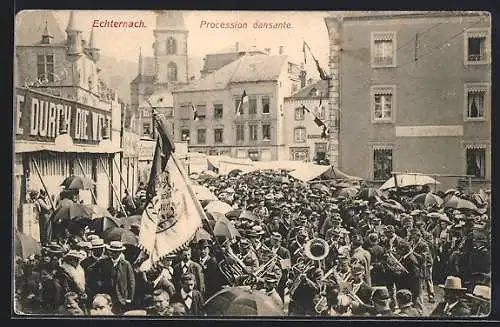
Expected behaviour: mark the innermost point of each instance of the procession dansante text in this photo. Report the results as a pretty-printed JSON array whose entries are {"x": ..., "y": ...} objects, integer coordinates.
[{"x": 244, "y": 25}]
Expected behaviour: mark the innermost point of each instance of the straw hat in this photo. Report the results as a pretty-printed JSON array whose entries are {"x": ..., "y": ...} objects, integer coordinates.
[
  {"x": 452, "y": 283},
  {"x": 481, "y": 292},
  {"x": 115, "y": 246},
  {"x": 74, "y": 254},
  {"x": 97, "y": 243}
]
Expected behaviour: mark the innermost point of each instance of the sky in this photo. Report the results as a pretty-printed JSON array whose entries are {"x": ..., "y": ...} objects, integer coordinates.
[{"x": 124, "y": 43}]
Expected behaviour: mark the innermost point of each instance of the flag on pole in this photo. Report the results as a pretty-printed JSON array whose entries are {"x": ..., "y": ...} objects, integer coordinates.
[
  {"x": 195, "y": 111},
  {"x": 318, "y": 121},
  {"x": 304, "y": 51},
  {"x": 322, "y": 74},
  {"x": 243, "y": 102},
  {"x": 173, "y": 215}
]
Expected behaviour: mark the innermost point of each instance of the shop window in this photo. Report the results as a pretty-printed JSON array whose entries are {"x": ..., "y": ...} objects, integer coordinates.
[
  {"x": 476, "y": 160},
  {"x": 218, "y": 135},
  {"x": 383, "y": 49},
  {"x": 382, "y": 164}
]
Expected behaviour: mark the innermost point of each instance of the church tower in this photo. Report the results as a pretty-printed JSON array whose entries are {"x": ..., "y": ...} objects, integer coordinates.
[{"x": 170, "y": 50}]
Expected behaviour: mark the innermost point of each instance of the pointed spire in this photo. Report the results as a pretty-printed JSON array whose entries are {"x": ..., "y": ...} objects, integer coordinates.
[
  {"x": 71, "y": 23},
  {"x": 46, "y": 36}
]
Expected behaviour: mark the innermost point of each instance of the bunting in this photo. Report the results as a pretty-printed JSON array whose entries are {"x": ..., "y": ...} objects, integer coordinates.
[{"x": 318, "y": 121}]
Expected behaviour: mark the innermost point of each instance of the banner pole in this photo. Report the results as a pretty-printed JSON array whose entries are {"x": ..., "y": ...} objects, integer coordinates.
[
  {"x": 123, "y": 180},
  {"x": 113, "y": 187}
]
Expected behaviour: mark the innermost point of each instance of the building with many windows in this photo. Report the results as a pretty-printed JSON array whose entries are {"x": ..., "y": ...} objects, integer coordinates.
[
  {"x": 415, "y": 94},
  {"x": 303, "y": 136},
  {"x": 67, "y": 121},
  {"x": 258, "y": 132}
]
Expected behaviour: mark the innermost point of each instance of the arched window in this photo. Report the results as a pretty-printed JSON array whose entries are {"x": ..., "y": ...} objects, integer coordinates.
[
  {"x": 171, "y": 46},
  {"x": 172, "y": 72}
]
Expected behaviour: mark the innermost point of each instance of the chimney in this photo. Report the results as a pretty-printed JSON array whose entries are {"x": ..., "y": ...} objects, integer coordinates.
[
  {"x": 237, "y": 47},
  {"x": 267, "y": 50},
  {"x": 281, "y": 50}
]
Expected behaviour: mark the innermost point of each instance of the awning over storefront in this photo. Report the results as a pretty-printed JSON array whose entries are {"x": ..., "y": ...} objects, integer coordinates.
[{"x": 21, "y": 147}]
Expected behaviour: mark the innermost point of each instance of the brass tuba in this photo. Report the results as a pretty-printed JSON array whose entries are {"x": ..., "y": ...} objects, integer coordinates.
[{"x": 316, "y": 249}]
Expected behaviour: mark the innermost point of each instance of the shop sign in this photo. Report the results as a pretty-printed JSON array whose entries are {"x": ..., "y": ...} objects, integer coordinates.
[{"x": 38, "y": 117}]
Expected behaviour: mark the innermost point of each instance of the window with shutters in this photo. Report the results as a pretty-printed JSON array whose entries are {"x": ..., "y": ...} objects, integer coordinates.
[
  {"x": 383, "y": 49},
  {"x": 476, "y": 101},
  {"x": 476, "y": 47},
  {"x": 383, "y": 103},
  {"x": 253, "y": 132}
]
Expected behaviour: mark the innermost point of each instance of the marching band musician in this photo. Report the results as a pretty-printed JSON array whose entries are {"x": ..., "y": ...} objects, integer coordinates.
[
  {"x": 343, "y": 269},
  {"x": 362, "y": 256},
  {"x": 423, "y": 255},
  {"x": 333, "y": 239},
  {"x": 361, "y": 289},
  {"x": 409, "y": 280},
  {"x": 248, "y": 255},
  {"x": 255, "y": 237},
  {"x": 407, "y": 225},
  {"x": 377, "y": 252},
  {"x": 302, "y": 300},
  {"x": 296, "y": 246},
  {"x": 338, "y": 304},
  {"x": 270, "y": 283}
]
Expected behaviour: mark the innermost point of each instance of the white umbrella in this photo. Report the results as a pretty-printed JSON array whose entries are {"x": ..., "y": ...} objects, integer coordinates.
[
  {"x": 408, "y": 180},
  {"x": 218, "y": 207}
]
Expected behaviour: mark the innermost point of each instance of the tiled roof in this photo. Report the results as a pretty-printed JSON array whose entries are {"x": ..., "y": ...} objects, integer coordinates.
[
  {"x": 321, "y": 86},
  {"x": 248, "y": 68},
  {"x": 30, "y": 25},
  {"x": 218, "y": 60}
]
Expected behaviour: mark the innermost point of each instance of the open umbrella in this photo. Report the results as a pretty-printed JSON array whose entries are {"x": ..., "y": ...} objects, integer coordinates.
[
  {"x": 408, "y": 180},
  {"x": 233, "y": 213},
  {"x": 458, "y": 203},
  {"x": 26, "y": 245},
  {"x": 368, "y": 193},
  {"x": 234, "y": 172},
  {"x": 99, "y": 212},
  {"x": 348, "y": 192},
  {"x": 76, "y": 210},
  {"x": 241, "y": 301},
  {"x": 343, "y": 185},
  {"x": 224, "y": 227},
  {"x": 120, "y": 234},
  {"x": 202, "y": 234},
  {"x": 393, "y": 205},
  {"x": 218, "y": 206},
  {"x": 321, "y": 187},
  {"x": 427, "y": 200},
  {"x": 77, "y": 182}
]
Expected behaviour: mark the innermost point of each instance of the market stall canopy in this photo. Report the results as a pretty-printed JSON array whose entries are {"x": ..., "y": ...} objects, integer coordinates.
[
  {"x": 203, "y": 193},
  {"x": 21, "y": 147},
  {"x": 408, "y": 180},
  {"x": 308, "y": 171},
  {"x": 277, "y": 165},
  {"x": 225, "y": 164}
]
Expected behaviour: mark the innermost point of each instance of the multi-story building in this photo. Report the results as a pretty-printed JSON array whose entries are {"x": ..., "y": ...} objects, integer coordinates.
[
  {"x": 303, "y": 136},
  {"x": 415, "y": 94},
  {"x": 59, "y": 91},
  {"x": 258, "y": 133}
]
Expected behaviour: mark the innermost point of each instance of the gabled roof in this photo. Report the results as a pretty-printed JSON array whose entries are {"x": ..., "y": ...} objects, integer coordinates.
[
  {"x": 30, "y": 25},
  {"x": 214, "y": 61},
  {"x": 306, "y": 92},
  {"x": 248, "y": 68}
]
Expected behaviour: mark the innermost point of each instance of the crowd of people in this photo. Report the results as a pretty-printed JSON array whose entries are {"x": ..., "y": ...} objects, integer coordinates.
[{"x": 313, "y": 251}]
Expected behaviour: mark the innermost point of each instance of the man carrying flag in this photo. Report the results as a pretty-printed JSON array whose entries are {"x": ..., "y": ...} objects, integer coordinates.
[{"x": 243, "y": 102}]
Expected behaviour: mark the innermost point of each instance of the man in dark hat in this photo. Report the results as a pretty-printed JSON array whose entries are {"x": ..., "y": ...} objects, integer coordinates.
[
  {"x": 189, "y": 296},
  {"x": 405, "y": 304},
  {"x": 407, "y": 225},
  {"x": 392, "y": 240},
  {"x": 412, "y": 279},
  {"x": 381, "y": 299},
  {"x": 186, "y": 265},
  {"x": 377, "y": 252},
  {"x": 453, "y": 304},
  {"x": 211, "y": 272},
  {"x": 360, "y": 288}
]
